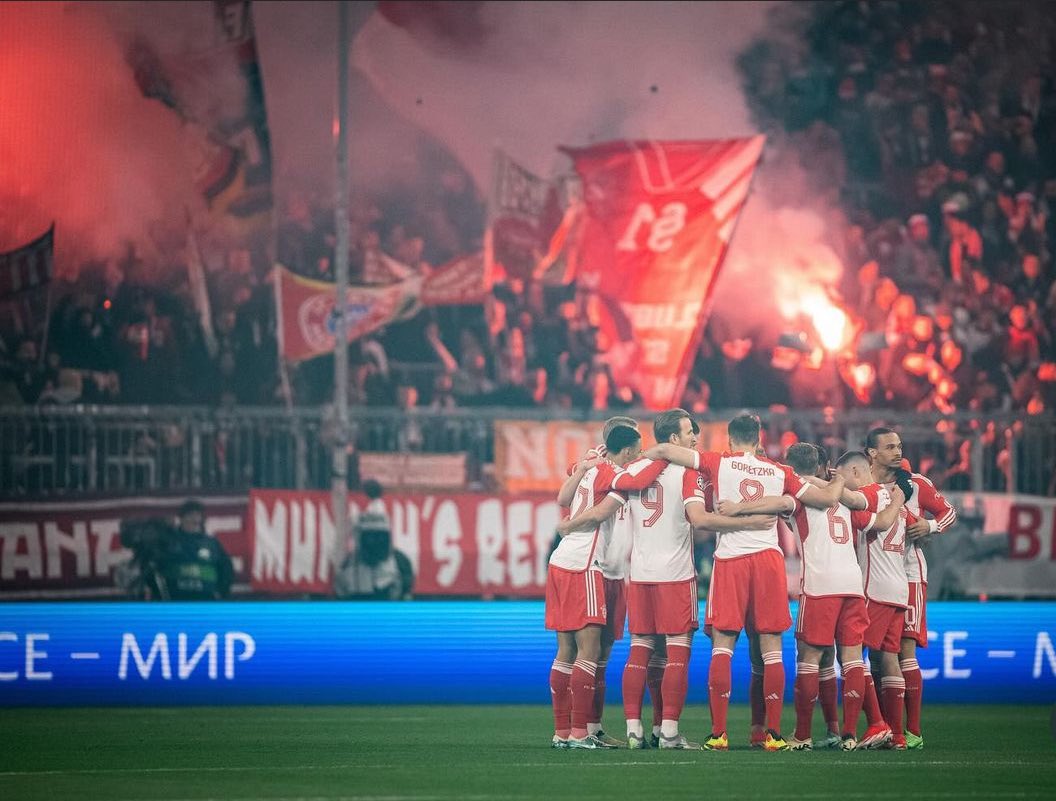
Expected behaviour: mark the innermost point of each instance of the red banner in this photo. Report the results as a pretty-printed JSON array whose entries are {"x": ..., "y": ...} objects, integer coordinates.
[
  {"x": 659, "y": 219},
  {"x": 462, "y": 544},
  {"x": 306, "y": 311},
  {"x": 524, "y": 212},
  {"x": 28, "y": 267},
  {"x": 460, "y": 282},
  {"x": 68, "y": 549},
  {"x": 458, "y": 544}
]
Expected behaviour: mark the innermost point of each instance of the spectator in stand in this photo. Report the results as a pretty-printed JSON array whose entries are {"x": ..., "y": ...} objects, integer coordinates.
[{"x": 917, "y": 267}]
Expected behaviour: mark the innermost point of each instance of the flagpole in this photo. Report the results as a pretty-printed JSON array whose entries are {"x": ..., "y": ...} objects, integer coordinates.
[
  {"x": 280, "y": 342},
  {"x": 339, "y": 466},
  {"x": 47, "y": 325}
]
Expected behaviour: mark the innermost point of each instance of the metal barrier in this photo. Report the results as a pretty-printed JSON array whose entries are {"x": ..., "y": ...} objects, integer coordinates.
[{"x": 67, "y": 451}]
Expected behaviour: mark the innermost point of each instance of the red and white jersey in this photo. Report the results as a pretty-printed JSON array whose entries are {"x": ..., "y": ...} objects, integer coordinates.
[
  {"x": 662, "y": 542},
  {"x": 926, "y": 498},
  {"x": 747, "y": 477},
  {"x": 581, "y": 550},
  {"x": 826, "y": 540},
  {"x": 882, "y": 554},
  {"x": 617, "y": 558},
  {"x": 615, "y": 554}
]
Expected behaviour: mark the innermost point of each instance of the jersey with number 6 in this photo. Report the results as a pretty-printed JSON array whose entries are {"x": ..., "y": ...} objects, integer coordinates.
[
  {"x": 882, "y": 554},
  {"x": 662, "y": 543},
  {"x": 747, "y": 477},
  {"x": 826, "y": 540}
]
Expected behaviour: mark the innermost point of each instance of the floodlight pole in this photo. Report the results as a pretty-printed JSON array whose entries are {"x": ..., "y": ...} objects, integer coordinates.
[{"x": 339, "y": 468}]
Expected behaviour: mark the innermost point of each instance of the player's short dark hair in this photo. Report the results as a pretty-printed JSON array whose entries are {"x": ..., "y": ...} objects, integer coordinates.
[
  {"x": 372, "y": 488},
  {"x": 872, "y": 439},
  {"x": 744, "y": 428},
  {"x": 823, "y": 455},
  {"x": 620, "y": 437},
  {"x": 189, "y": 506},
  {"x": 852, "y": 456},
  {"x": 803, "y": 458},
  {"x": 617, "y": 420},
  {"x": 668, "y": 423}
]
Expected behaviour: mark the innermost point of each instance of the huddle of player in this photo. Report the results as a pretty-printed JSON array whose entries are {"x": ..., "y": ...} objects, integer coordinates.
[{"x": 626, "y": 553}]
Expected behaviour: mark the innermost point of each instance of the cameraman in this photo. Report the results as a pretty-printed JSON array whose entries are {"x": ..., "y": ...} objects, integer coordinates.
[
  {"x": 201, "y": 569},
  {"x": 374, "y": 569},
  {"x": 181, "y": 563}
]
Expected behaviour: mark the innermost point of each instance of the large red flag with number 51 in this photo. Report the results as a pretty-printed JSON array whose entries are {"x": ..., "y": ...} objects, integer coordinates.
[{"x": 659, "y": 220}]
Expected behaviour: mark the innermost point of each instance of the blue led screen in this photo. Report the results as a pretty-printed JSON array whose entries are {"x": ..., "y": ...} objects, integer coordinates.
[{"x": 422, "y": 652}]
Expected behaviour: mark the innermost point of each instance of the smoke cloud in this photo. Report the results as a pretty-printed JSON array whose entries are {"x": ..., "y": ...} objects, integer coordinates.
[
  {"x": 80, "y": 144},
  {"x": 583, "y": 72}
]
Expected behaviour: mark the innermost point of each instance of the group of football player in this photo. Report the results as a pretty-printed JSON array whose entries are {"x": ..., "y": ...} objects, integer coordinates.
[{"x": 626, "y": 554}]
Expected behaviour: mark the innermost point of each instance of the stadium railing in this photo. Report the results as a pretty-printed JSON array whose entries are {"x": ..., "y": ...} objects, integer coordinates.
[{"x": 69, "y": 451}]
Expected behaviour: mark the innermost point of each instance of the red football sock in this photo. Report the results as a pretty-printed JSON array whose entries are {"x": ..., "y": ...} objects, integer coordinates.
[
  {"x": 755, "y": 694},
  {"x": 634, "y": 681},
  {"x": 655, "y": 679},
  {"x": 599, "y": 694},
  {"x": 676, "y": 680},
  {"x": 853, "y": 695},
  {"x": 719, "y": 684},
  {"x": 582, "y": 683},
  {"x": 893, "y": 699},
  {"x": 914, "y": 692},
  {"x": 805, "y": 694},
  {"x": 560, "y": 673},
  {"x": 773, "y": 688},
  {"x": 872, "y": 703},
  {"x": 827, "y": 697}
]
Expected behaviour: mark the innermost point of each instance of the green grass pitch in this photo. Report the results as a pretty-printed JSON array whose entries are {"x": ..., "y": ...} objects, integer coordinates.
[{"x": 490, "y": 753}]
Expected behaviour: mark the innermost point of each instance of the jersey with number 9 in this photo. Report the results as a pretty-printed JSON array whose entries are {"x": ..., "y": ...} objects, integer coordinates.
[{"x": 662, "y": 545}]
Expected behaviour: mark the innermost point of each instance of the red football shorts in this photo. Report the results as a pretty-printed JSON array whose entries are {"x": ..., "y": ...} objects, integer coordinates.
[
  {"x": 916, "y": 627},
  {"x": 669, "y": 608},
  {"x": 616, "y": 603},
  {"x": 832, "y": 618},
  {"x": 749, "y": 592},
  {"x": 574, "y": 600},
  {"x": 885, "y": 627}
]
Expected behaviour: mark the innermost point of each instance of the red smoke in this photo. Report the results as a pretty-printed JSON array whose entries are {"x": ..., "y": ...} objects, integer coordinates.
[{"x": 78, "y": 143}]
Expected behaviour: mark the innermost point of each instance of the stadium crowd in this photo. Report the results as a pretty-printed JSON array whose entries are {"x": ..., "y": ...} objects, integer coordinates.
[{"x": 937, "y": 120}]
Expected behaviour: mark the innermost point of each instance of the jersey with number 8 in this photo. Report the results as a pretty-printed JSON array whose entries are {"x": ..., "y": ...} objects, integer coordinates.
[{"x": 746, "y": 477}]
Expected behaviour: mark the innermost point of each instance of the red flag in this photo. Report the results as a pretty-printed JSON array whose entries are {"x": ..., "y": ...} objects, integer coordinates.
[
  {"x": 659, "y": 216},
  {"x": 460, "y": 282},
  {"x": 306, "y": 312}
]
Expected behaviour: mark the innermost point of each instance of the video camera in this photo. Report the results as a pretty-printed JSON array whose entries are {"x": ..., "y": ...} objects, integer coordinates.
[
  {"x": 375, "y": 539},
  {"x": 147, "y": 539}
]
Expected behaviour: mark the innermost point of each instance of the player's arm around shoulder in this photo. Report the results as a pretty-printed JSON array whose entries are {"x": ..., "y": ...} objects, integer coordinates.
[
  {"x": 934, "y": 503},
  {"x": 578, "y": 470},
  {"x": 889, "y": 514},
  {"x": 820, "y": 497},
  {"x": 675, "y": 454},
  {"x": 638, "y": 475},
  {"x": 703, "y": 521},
  {"x": 590, "y": 518},
  {"x": 767, "y": 505}
]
